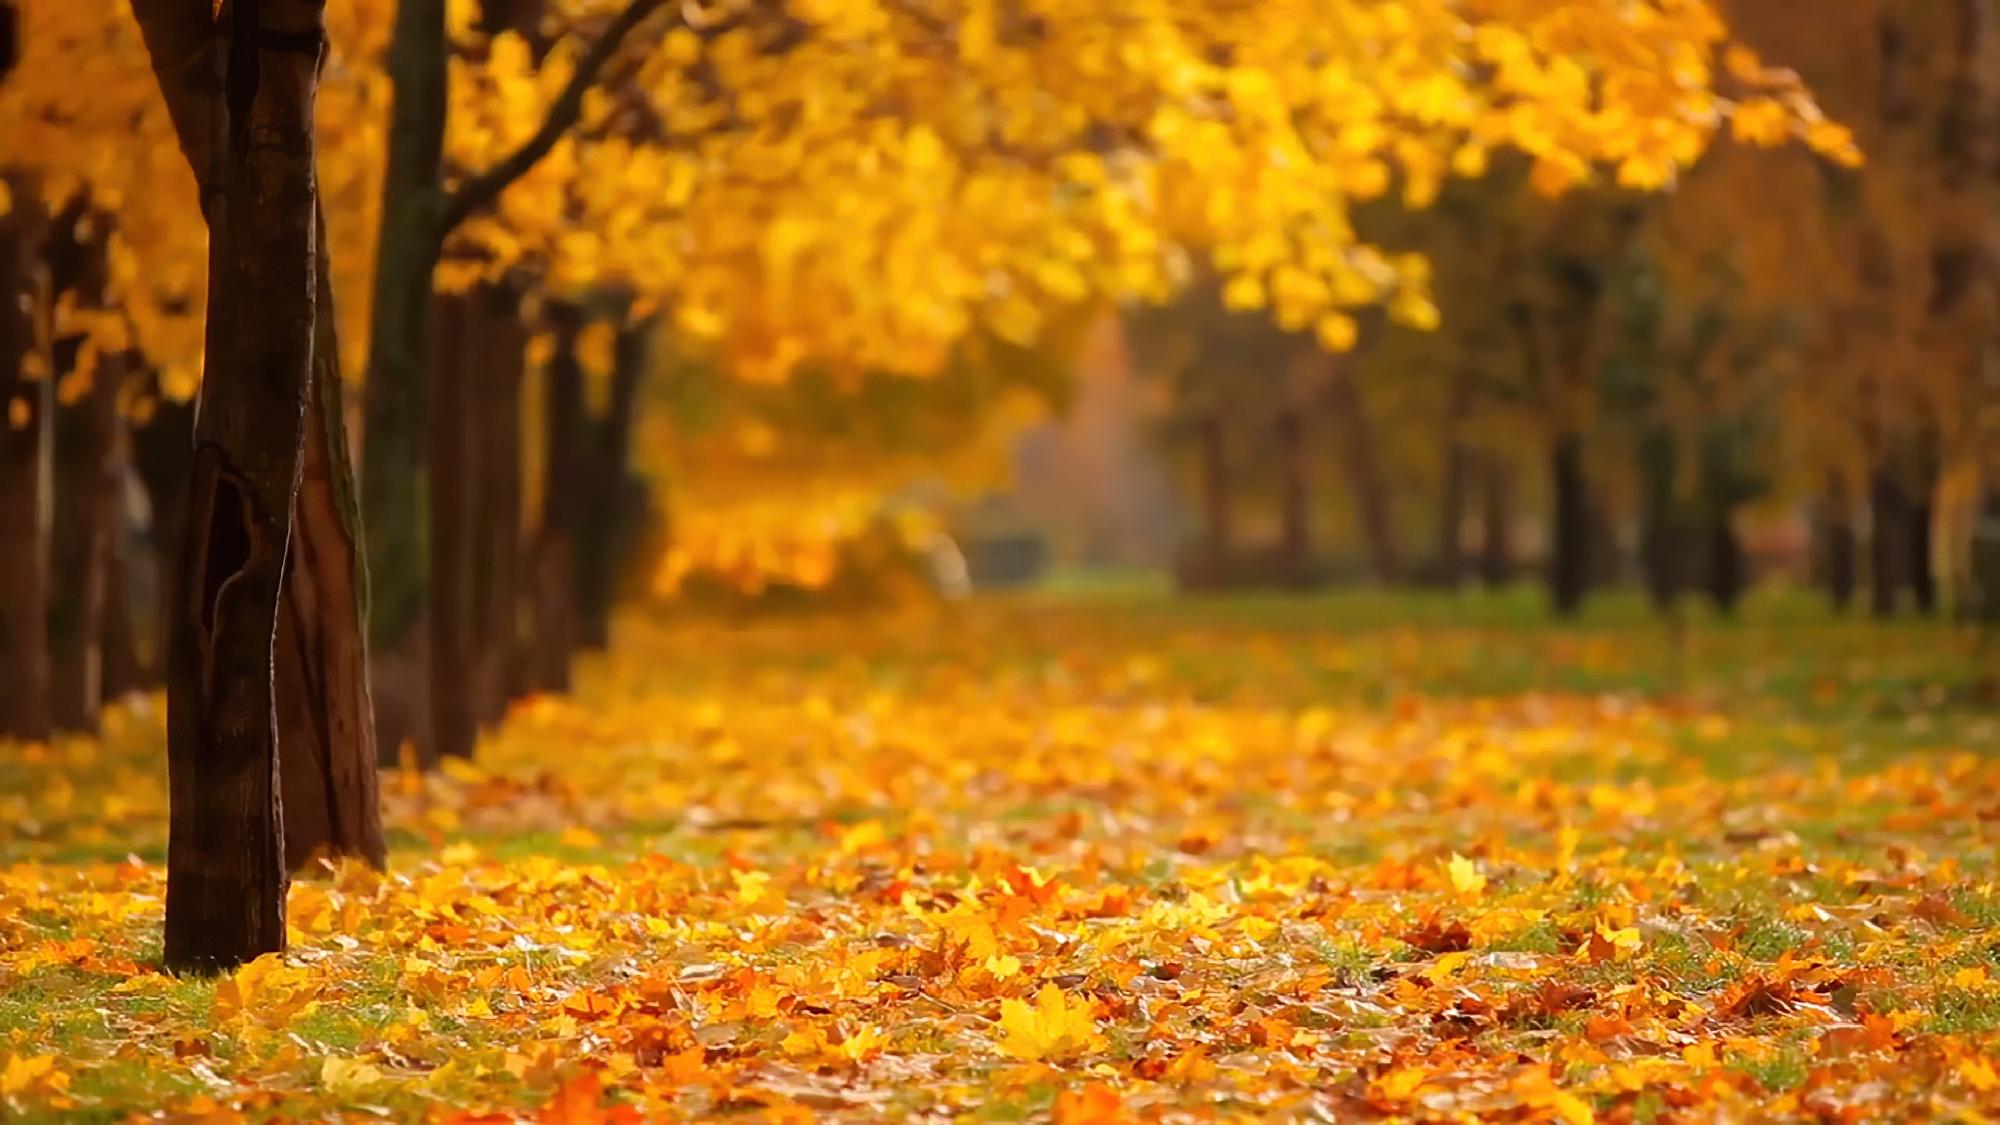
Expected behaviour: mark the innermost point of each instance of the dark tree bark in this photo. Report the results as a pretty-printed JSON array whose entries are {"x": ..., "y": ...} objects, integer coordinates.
[
  {"x": 1664, "y": 538},
  {"x": 501, "y": 343},
  {"x": 226, "y": 873},
  {"x": 607, "y": 525},
  {"x": 1496, "y": 523},
  {"x": 555, "y": 548},
  {"x": 1295, "y": 499},
  {"x": 26, "y": 444},
  {"x": 125, "y": 670},
  {"x": 1374, "y": 512},
  {"x": 1570, "y": 533},
  {"x": 454, "y": 726},
  {"x": 1728, "y": 564}
]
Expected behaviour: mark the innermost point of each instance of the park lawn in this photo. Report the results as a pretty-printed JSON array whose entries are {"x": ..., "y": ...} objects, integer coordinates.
[{"x": 1109, "y": 858}]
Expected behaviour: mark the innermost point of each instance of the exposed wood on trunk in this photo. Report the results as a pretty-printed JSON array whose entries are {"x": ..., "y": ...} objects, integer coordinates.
[
  {"x": 226, "y": 875},
  {"x": 327, "y": 748},
  {"x": 26, "y": 440}
]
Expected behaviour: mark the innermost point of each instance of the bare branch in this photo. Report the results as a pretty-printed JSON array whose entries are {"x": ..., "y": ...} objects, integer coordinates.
[{"x": 477, "y": 191}]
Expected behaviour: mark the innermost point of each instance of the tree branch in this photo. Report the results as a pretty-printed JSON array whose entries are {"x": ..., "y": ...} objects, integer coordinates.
[{"x": 477, "y": 191}]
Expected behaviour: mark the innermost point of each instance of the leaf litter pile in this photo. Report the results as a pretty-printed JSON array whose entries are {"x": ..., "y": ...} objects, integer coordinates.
[{"x": 1088, "y": 863}]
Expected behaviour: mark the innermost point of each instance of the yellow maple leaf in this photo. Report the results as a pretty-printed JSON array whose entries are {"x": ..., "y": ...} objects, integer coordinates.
[
  {"x": 1055, "y": 1026},
  {"x": 1465, "y": 876}
]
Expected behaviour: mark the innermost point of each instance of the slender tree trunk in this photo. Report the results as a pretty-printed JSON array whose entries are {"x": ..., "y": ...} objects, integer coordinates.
[
  {"x": 1570, "y": 535},
  {"x": 226, "y": 875},
  {"x": 394, "y": 481},
  {"x": 87, "y": 478},
  {"x": 496, "y": 410},
  {"x": 1837, "y": 547},
  {"x": 328, "y": 757},
  {"x": 1663, "y": 539},
  {"x": 607, "y": 523},
  {"x": 1217, "y": 510},
  {"x": 555, "y": 552},
  {"x": 124, "y": 671},
  {"x": 26, "y": 442},
  {"x": 1728, "y": 563},
  {"x": 1921, "y": 559},
  {"x": 1355, "y": 432},
  {"x": 454, "y": 726},
  {"x": 163, "y": 454},
  {"x": 1295, "y": 500},
  {"x": 1888, "y": 530},
  {"x": 88, "y": 475},
  {"x": 1496, "y": 523},
  {"x": 1455, "y": 482}
]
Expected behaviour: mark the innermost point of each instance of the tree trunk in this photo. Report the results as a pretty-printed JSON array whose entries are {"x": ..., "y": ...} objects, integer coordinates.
[
  {"x": 1570, "y": 536},
  {"x": 501, "y": 340},
  {"x": 26, "y": 441},
  {"x": 1217, "y": 510},
  {"x": 454, "y": 726},
  {"x": 125, "y": 671},
  {"x": 328, "y": 757},
  {"x": 226, "y": 875},
  {"x": 1728, "y": 564},
  {"x": 607, "y": 523},
  {"x": 1496, "y": 523},
  {"x": 1295, "y": 500},
  {"x": 555, "y": 551},
  {"x": 1888, "y": 530},
  {"x": 1838, "y": 546},
  {"x": 1921, "y": 518},
  {"x": 163, "y": 454},
  {"x": 394, "y": 484},
  {"x": 88, "y": 476},
  {"x": 1455, "y": 481},
  {"x": 1663, "y": 538},
  {"x": 1355, "y": 433}
]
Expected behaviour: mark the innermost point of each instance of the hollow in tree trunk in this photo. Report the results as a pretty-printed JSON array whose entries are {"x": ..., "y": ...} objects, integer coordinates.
[
  {"x": 226, "y": 873},
  {"x": 26, "y": 445},
  {"x": 1570, "y": 533}
]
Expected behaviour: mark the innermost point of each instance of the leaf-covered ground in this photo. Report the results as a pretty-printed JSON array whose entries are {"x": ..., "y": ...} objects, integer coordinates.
[{"x": 1102, "y": 862}]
